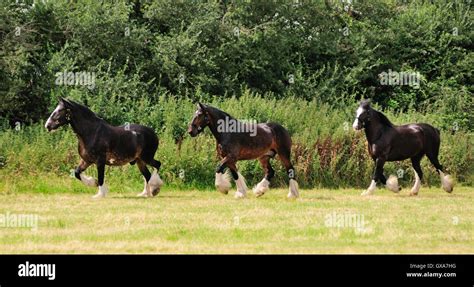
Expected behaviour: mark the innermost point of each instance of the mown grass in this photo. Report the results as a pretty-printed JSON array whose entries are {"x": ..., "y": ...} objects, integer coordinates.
[{"x": 192, "y": 221}]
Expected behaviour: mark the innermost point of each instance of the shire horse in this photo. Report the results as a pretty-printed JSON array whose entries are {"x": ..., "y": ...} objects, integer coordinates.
[
  {"x": 388, "y": 142},
  {"x": 103, "y": 144},
  {"x": 252, "y": 141}
]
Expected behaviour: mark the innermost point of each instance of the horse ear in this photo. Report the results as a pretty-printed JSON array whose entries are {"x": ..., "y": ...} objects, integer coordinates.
[
  {"x": 365, "y": 103},
  {"x": 66, "y": 102},
  {"x": 201, "y": 106}
]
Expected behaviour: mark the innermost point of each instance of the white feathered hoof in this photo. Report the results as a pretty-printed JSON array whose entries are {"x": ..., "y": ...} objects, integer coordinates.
[
  {"x": 371, "y": 189},
  {"x": 103, "y": 190},
  {"x": 392, "y": 184},
  {"x": 222, "y": 183},
  {"x": 241, "y": 186},
  {"x": 154, "y": 184},
  {"x": 143, "y": 194},
  {"x": 261, "y": 187},
  {"x": 293, "y": 190},
  {"x": 87, "y": 180},
  {"x": 416, "y": 187},
  {"x": 239, "y": 195},
  {"x": 446, "y": 182}
]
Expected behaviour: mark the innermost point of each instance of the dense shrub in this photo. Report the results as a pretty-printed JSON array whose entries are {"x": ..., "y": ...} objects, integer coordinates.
[{"x": 324, "y": 50}]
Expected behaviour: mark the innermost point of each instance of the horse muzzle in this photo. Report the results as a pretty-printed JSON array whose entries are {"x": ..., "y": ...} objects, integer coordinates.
[
  {"x": 357, "y": 126},
  {"x": 49, "y": 127},
  {"x": 194, "y": 131}
]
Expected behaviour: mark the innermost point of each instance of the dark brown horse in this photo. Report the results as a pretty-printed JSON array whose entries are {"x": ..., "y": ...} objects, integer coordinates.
[
  {"x": 103, "y": 144},
  {"x": 237, "y": 140},
  {"x": 388, "y": 142}
]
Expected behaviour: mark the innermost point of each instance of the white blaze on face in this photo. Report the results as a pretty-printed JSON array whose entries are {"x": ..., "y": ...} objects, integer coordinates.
[
  {"x": 50, "y": 119},
  {"x": 360, "y": 110}
]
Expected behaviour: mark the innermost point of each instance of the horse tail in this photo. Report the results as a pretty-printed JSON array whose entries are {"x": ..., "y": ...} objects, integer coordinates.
[
  {"x": 283, "y": 148},
  {"x": 283, "y": 145}
]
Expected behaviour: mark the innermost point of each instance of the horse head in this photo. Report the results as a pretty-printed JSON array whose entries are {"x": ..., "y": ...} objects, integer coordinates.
[
  {"x": 200, "y": 120},
  {"x": 60, "y": 116},
  {"x": 363, "y": 115}
]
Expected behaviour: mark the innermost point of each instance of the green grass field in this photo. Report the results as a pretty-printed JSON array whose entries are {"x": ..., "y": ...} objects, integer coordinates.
[{"x": 194, "y": 221}]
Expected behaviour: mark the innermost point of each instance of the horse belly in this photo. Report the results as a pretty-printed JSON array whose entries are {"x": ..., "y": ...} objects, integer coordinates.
[
  {"x": 405, "y": 148},
  {"x": 124, "y": 151},
  {"x": 247, "y": 154},
  {"x": 118, "y": 160},
  {"x": 254, "y": 149}
]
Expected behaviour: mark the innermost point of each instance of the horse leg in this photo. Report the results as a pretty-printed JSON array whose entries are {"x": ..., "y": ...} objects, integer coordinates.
[
  {"x": 239, "y": 180},
  {"x": 264, "y": 185},
  {"x": 373, "y": 184},
  {"x": 146, "y": 176},
  {"x": 284, "y": 155},
  {"x": 87, "y": 180},
  {"x": 154, "y": 182},
  {"x": 415, "y": 162},
  {"x": 100, "y": 178},
  {"x": 392, "y": 182},
  {"x": 222, "y": 181},
  {"x": 446, "y": 180}
]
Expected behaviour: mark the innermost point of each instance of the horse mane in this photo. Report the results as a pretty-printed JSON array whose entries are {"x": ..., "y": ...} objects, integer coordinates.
[
  {"x": 219, "y": 113},
  {"x": 85, "y": 111},
  {"x": 383, "y": 119}
]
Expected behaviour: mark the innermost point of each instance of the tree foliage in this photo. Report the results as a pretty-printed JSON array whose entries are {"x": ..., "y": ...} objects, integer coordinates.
[{"x": 329, "y": 50}]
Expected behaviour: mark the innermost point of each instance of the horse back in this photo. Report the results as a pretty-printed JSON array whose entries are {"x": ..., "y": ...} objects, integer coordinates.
[{"x": 413, "y": 139}]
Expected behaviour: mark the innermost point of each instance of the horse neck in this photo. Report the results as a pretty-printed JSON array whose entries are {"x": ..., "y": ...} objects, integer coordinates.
[
  {"x": 84, "y": 126},
  {"x": 217, "y": 115},
  {"x": 375, "y": 129}
]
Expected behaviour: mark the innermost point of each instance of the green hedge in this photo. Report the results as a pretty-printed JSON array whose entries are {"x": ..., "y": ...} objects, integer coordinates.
[{"x": 139, "y": 49}]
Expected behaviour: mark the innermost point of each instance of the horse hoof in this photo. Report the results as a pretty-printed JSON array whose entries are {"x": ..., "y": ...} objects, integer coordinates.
[
  {"x": 154, "y": 184},
  {"x": 447, "y": 182},
  {"x": 155, "y": 192},
  {"x": 222, "y": 183},
  {"x": 102, "y": 192},
  {"x": 293, "y": 189},
  {"x": 259, "y": 194},
  {"x": 261, "y": 187},
  {"x": 259, "y": 191},
  {"x": 412, "y": 193},
  {"x": 392, "y": 184},
  {"x": 142, "y": 194},
  {"x": 222, "y": 190},
  {"x": 292, "y": 196},
  {"x": 367, "y": 193},
  {"x": 239, "y": 194}
]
